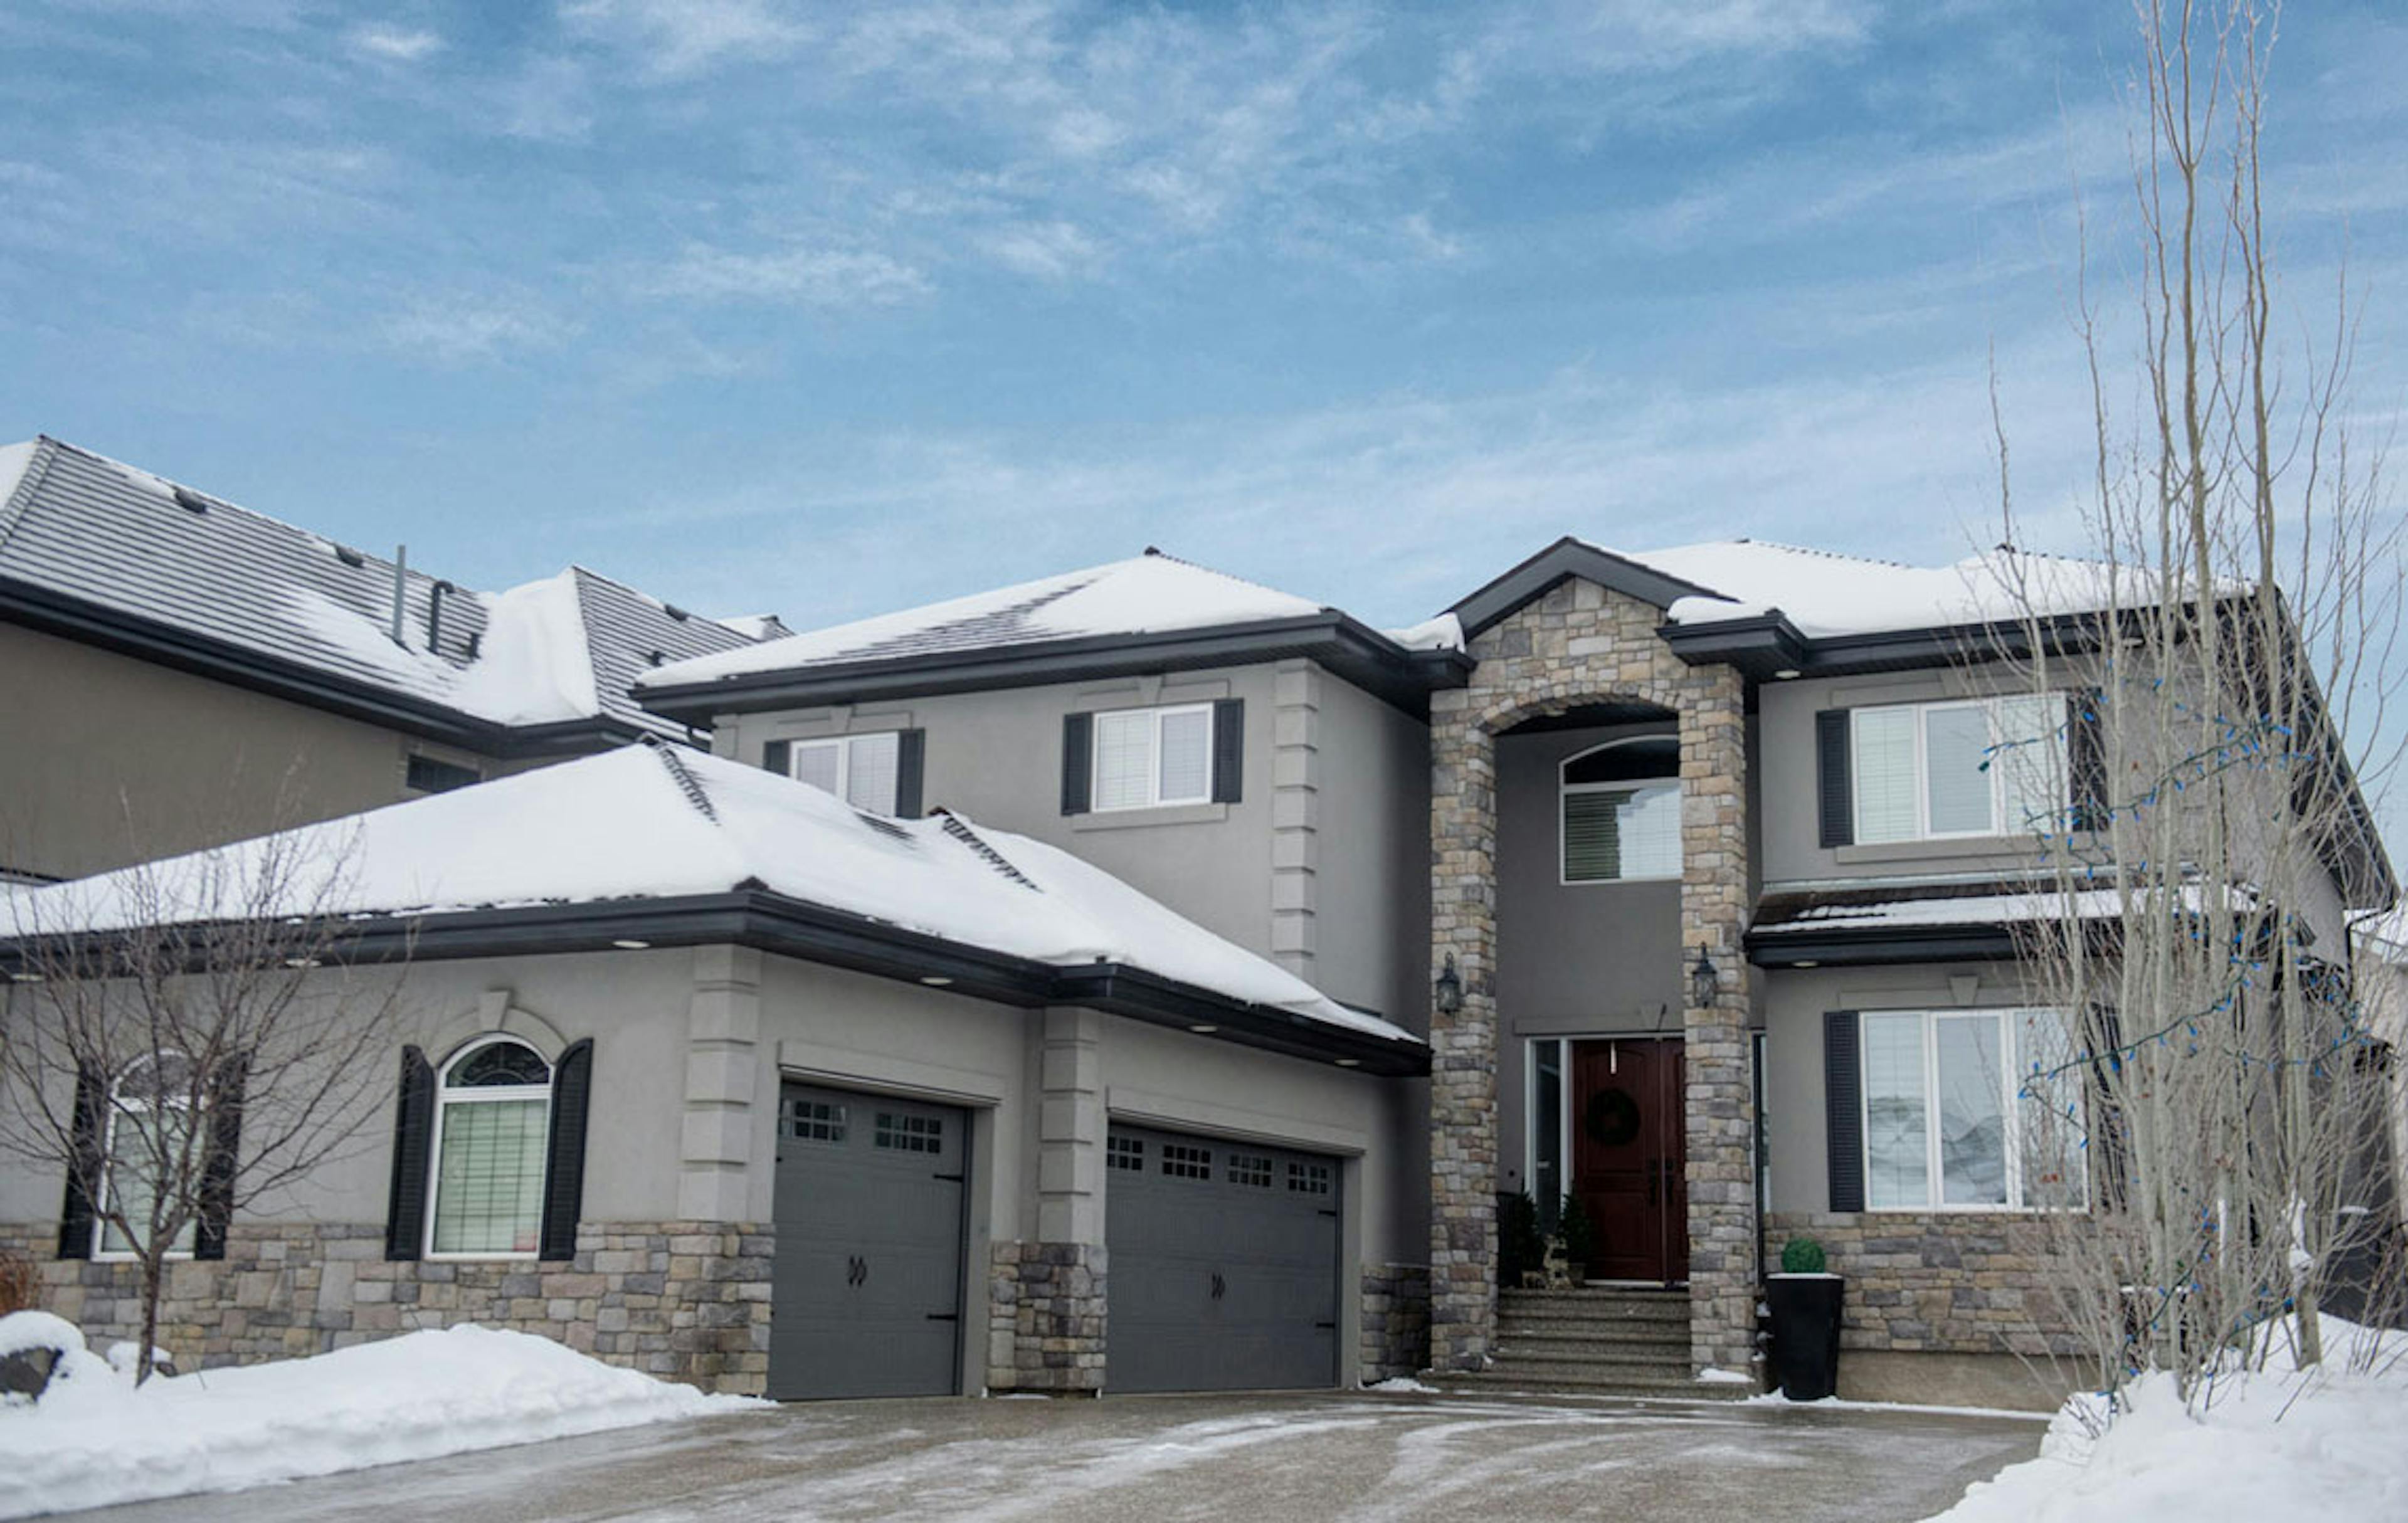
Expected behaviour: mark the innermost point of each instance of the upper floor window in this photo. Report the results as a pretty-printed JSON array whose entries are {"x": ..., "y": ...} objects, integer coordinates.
[
  {"x": 492, "y": 1124},
  {"x": 1946, "y": 1124},
  {"x": 1621, "y": 812},
  {"x": 152, "y": 1112},
  {"x": 1975, "y": 767},
  {"x": 1147, "y": 757},
  {"x": 861, "y": 769}
]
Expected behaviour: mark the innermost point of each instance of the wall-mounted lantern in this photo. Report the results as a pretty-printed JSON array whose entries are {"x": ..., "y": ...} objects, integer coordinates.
[
  {"x": 1703, "y": 986},
  {"x": 1450, "y": 988}
]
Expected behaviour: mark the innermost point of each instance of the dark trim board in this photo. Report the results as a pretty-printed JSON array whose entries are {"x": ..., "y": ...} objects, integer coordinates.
[
  {"x": 1345, "y": 646},
  {"x": 1877, "y": 946},
  {"x": 1561, "y": 562},
  {"x": 775, "y": 923}
]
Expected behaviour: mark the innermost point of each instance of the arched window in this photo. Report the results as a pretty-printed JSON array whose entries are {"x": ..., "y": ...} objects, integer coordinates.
[
  {"x": 152, "y": 1110},
  {"x": 491, "y": 1118},
  {"x": 1621, "y": 812}
]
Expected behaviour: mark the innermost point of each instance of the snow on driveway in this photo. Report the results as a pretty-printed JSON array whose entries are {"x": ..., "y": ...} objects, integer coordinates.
[
  {"x": 95, "y": 1438},
  {"x": 1371, "y": 1459}
]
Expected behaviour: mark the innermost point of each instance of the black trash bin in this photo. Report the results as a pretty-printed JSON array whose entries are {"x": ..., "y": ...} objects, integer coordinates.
[{"x": 1805, "y": 1333}]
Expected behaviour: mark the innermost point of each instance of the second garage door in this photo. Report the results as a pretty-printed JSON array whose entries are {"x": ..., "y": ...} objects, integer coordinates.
[{"x": 1223, "y": 1264}]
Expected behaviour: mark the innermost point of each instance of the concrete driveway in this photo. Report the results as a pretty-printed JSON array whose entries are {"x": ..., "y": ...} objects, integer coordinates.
[{"x": 1153, "y": 1459}]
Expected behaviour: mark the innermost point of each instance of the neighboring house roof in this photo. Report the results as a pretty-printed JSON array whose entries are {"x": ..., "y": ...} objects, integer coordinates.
[
  {"x": 1149, "y": 613},
  {"x": 658, "y": 845},
  {"x": 107, "y": 552}
]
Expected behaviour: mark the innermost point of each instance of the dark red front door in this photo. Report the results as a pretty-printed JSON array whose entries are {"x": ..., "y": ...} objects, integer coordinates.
[{"x": 1627, "y": 1151}]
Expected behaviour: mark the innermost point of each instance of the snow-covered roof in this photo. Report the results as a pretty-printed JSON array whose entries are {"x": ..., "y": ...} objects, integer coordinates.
[
  {"x": 1825, "y": 593},
  {"x": 1863, "y": 910},
  {"x": 116, "y": 539},
  {"x": 1148, "y": 593},
  {"x": 656, "y": 821}
]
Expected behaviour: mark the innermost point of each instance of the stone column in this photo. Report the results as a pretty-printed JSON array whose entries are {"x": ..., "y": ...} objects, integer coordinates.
[
  {"x": 1463, "y": 1045},
  {"x": 1720, "y": 1094}
]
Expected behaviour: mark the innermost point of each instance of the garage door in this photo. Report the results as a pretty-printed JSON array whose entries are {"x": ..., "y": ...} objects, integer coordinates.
[
  {"x": 1223, "y": 1264},
  {"x": 866, "y": 1296}
]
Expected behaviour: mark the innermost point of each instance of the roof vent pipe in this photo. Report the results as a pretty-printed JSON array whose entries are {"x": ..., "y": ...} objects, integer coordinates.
[
  {"x": 435, "y": 616},
  {"x": 400, "y": 584}
]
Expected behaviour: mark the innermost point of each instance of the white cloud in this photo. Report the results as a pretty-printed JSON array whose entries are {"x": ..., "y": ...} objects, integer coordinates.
[
  {"x": 675, "y": 39},
  {"x": 805, "y": 277},
  {"x": 400, "y": 45},
  {"x": 472, "y": 328},
  {"x": 1053, "y": 250}
]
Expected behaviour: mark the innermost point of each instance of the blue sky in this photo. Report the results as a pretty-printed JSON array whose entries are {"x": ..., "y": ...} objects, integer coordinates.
[{"x": 830, "y": 309}]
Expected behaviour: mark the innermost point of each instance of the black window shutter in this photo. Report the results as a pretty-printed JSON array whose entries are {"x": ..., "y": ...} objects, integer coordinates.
[
  {"x": 220, "y": 1165},
  {"x": 910, "y": 764},
  {"x": 1228, "y": 751},
  {"x": 1078, "y": 762},
  {"x": 413, "y": 1135},
  {"x": 2085, "y": 758},
  {"x": 779, "y": 756},
  {"x": 76, "y": 1213},
  {"x": 1832, "y": 777},
  {"x": 1843, "y": 1116},
  {"x": 563, "y": 1174}
]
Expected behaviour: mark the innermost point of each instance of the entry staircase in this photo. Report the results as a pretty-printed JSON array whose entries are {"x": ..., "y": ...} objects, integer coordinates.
[{"x": 1595, "y": 1341}]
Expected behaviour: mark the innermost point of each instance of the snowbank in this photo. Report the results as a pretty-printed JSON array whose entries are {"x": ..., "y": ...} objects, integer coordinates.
[
  {"x": 2325, "y": 1445},
  {"x": 96, "y": 1439}
]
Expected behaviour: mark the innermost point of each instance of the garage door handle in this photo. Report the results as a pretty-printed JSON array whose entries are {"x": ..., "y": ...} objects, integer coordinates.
[
  {"x": 944, "y": 1316},
  {"x": 1219, "y": 1285},
  {"x": 856, "y": 1270}
]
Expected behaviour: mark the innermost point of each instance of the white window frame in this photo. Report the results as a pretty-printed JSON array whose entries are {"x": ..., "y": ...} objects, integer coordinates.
[
  {"x": 444, "y": 1102},
  {"x": 1633, "y": 786},
  {"x": 117, "y": 1104},
  {"x": 843, "y": 745},
  {"x": 1999, "y": 828},
  {"x": 2012, "y": 1111},
  {"x": 1154, "y": 795}
]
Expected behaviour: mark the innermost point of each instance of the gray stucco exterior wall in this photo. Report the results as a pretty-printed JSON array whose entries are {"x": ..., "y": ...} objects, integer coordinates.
[{"x": 132, "y": 761}]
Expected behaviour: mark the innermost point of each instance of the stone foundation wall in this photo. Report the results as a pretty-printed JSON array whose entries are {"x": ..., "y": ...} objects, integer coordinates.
[
  {"x": 686, "y": 1300},
  {"x": 1396, "y": 1321},
  {"x": 1935, "y": 1282},
  {"x": 1045, "y": 1328}
]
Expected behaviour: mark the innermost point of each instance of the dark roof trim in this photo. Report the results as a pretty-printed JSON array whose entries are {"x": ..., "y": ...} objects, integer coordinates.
[
  {"x": 164, "y": 644},
  {"x": 1878, "y": 947},
  {"x": 1347, "y": 647},
  {"x": 792, "y": 927},
  {"x": 1560, "y": 562}
]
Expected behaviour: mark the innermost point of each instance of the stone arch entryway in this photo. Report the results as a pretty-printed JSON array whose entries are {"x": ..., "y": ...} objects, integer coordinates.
[{"x": 1580, "y": 644}]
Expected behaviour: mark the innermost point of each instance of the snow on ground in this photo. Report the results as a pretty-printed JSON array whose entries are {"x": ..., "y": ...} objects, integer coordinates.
[
  {"x": 94, "y": 1438},
  {"x": 2327, "y": 1445}
]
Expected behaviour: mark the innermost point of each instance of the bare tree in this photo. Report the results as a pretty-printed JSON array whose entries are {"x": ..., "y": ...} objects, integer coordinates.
[
  {"x": 188, "y": 1040},
  {"x": 2226, "y": 692}
]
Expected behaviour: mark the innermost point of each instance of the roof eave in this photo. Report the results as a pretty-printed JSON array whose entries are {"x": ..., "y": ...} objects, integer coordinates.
[
  {"x": 780, "y": 923},
  {"x": 1559, "y": 562},
  {"x": 1348, "y": 647},
  {"x": 149, "y": 640}
]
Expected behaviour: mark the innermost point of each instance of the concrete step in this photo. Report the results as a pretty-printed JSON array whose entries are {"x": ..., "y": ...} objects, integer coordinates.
[
  {"x": 1672, "y": 1337},
  {"x": 1506, "y": 1378},
  {"x": 1574, "y": 1307},
  {"x": 1572, "y": 1360}
]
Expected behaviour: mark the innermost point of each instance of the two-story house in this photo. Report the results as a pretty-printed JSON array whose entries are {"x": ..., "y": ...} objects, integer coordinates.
[
  {"x": 178, "y": 671},
  {"x": 1155, "y": 979}
]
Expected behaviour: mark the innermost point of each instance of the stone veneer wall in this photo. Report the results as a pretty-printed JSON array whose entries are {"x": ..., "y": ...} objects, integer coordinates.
[
  {"x": 687, "y": 1301},
  {"x": 1396, "y": 1321},
  {"x": 1045, "y": 1328},
  {"x": 1578, "y": 644},
  {"x": 1935, "y": 1282}
]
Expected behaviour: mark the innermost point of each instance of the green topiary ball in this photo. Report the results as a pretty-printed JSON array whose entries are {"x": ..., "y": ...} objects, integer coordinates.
[{"x": 1802, "y": 1256}]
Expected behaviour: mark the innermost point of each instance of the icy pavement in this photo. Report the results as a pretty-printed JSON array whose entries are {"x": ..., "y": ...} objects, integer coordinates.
[{"x": 1261, "y": 1458}]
